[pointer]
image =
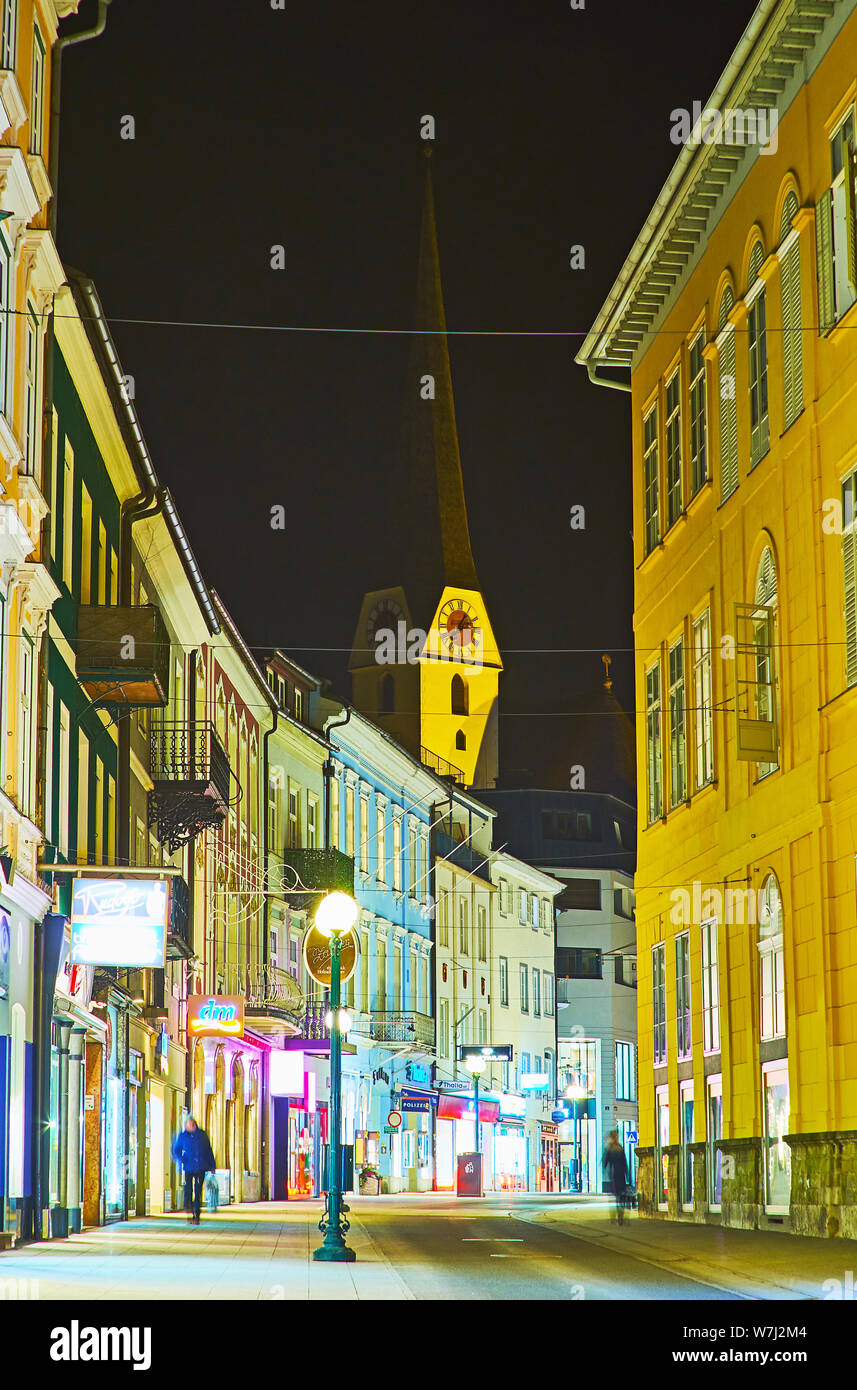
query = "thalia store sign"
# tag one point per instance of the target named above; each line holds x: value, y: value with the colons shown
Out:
x: 119, y: 921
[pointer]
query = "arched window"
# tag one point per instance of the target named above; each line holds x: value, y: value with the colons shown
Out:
x: 387, y: 697
x: 772, y: 984
x: 459, y: 695
x: 461, y: 740
x: 789, y: 256
x: 726, y: 395
x: 757, y: 340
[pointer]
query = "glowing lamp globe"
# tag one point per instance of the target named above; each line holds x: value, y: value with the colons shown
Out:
x: 476, y: 1065
x: 337, y: 912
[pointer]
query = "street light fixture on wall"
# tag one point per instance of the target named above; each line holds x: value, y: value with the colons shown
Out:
x: 335, y: 915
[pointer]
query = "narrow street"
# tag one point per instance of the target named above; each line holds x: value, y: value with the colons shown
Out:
x: 424, y: 1247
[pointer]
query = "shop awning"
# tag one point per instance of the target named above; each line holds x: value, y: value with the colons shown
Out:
x: 462, y: 1108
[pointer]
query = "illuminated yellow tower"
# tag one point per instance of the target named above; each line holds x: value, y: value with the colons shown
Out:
x: 424, y: 662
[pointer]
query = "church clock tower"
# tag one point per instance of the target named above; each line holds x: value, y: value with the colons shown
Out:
x: 424, y: 662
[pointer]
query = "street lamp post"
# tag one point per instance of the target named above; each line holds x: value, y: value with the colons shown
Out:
x: 574, y: 1093
x: 336, y: 914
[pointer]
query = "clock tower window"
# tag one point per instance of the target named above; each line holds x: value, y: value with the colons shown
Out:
x: 459, y: 695
x: 461, y: 740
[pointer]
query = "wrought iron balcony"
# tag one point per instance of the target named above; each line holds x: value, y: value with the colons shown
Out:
x: 266, y: 989
x: 319, y: 870
x: 123, y: 655
x: 441, y: 766
x: 313, y: 1024
x: 179, y: 942
x: 191, y: 776
x: 404, y: 1026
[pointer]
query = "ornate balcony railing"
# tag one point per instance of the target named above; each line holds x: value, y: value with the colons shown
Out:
x: 319, y: 870
x: 313, y: 1024
x: 265, y: 987
x: 404, y: 1026
x: 190, y: 772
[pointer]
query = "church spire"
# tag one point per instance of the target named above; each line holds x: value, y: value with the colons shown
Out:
x: 439, y: 551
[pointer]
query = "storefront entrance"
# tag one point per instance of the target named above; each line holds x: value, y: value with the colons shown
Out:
x: 114, y: 1148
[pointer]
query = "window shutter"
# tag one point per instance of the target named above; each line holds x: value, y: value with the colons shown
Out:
x: 849, y: 570
x: 757, y: 257
x: 728, y: 419
x: 786, y: 272
x: 850, y: 212
x: 824, y: 256
x: 792, y: 334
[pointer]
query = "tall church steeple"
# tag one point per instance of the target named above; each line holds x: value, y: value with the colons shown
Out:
x: 440, y: 702
x: 438, y: 549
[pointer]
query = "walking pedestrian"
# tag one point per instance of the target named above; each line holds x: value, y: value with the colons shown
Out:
x: 192, y: 1151
x: 615, y: 1168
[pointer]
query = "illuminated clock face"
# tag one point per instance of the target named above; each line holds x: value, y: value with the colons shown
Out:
x: 458, y: 623
x: 383, y: 618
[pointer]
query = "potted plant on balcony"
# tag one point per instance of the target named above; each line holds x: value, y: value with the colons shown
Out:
x: 370, y: 1181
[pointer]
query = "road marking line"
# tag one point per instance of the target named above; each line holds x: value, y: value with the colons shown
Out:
x: 493, y: 1240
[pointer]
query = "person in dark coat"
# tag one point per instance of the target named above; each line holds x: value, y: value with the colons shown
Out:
x: 192, y: 1151
x: 615, y: 1168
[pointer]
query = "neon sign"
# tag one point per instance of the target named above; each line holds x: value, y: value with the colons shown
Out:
x: 215, y: 1015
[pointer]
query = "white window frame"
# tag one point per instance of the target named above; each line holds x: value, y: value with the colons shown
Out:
x: 673, y: 447
x: 651, y: 481
x: 678, y: 723
x: 37, y: 97
x: 703, y: 700
x: 9, y: 52
x: 654, y: 743
x: 698, y: 405
x: 709, y: 943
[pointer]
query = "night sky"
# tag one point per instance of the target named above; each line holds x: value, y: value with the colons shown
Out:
x: 300, y: 127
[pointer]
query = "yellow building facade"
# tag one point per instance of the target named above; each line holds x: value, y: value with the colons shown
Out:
x: 735, y: 313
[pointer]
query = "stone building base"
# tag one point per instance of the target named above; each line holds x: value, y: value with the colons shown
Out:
x: 823, y: 1185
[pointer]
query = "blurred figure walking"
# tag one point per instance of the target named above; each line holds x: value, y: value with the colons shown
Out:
x: 615, y: 1168
x: 192, y: 1151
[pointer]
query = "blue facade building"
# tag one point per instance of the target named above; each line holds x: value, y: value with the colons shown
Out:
x: 381, y: 805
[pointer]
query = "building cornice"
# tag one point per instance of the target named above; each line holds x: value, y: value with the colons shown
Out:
x: 766, y: 70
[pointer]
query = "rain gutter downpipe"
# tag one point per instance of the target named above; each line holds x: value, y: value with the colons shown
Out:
x: 328, y: 773
x: 592, y: 373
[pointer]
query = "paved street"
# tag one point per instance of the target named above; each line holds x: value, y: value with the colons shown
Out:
x: 426, y: 1247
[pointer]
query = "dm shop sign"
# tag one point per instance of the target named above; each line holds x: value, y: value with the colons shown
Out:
x: 215, y: 1015
x: 119, y: 921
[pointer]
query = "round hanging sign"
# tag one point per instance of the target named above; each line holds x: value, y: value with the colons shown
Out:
x: 394, y: 1119
x: 317, y: 955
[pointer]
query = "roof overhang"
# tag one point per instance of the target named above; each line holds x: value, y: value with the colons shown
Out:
x: 765, y: 70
